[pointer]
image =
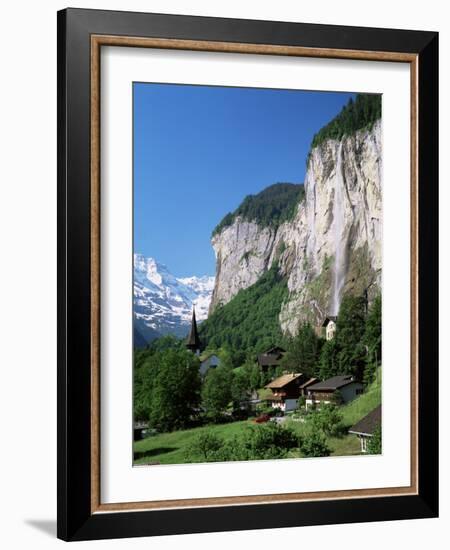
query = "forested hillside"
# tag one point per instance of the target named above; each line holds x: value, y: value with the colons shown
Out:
x: 356, y: 115
x: 249, y: 322
x: 271, y: 207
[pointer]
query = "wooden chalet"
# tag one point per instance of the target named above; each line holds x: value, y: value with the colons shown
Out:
x: 287, y: 389
x: 338, y: 388
x: 271, y: 358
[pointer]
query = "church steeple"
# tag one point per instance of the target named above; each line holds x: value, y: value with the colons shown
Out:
x: 193, y: 342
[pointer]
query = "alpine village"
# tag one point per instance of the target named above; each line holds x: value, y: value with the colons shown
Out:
x: 286, y: 360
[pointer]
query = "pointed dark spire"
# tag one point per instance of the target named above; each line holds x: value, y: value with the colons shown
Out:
x: 193, y: 342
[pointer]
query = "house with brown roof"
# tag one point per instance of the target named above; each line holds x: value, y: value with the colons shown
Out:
x: 366, y: 427
x: 336, y: 389
x: 287, y: 389
x: 271, y: 358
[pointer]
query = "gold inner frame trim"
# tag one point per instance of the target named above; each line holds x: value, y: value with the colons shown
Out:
x: 97, y: 41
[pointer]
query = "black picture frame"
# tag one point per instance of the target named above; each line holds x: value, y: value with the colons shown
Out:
x: 75, y: 518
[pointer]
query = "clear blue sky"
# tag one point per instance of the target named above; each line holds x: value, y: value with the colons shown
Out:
x: 199, y: 150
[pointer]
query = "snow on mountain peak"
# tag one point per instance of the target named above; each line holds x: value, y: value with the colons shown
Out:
x: 163, y: 302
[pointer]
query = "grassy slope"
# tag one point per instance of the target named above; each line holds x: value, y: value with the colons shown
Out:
x: 354, y: 411
x: 168, y: 448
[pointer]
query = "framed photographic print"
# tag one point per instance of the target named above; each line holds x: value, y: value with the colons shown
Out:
x: 247, y: 274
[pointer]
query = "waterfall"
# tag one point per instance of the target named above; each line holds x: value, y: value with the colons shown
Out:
x: 311, y: 205
x: 338, y: 229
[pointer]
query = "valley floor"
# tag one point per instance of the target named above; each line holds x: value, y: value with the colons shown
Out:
x: 169, y: 448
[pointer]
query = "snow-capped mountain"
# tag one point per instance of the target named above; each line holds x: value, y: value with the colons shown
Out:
x: 163, y: 303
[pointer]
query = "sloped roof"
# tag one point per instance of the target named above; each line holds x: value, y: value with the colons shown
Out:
x: 269, y: 360
x: 271, y: 357
x: 308, y: 383
x: 207, y: 355
x: 274, y: 349
x: 282, y: 381
x: 328, y: 319
x: 333, y: 383
x: 193, y: 341
x: 368, y: 424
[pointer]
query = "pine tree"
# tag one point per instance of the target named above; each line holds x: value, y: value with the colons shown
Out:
x: 174, y: 392
x: 303, y: 352
x: 216, y: 391
x: 372, y: 340
x: 350, y: 329
x: 328, y: 364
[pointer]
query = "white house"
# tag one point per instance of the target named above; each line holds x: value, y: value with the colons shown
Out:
x: 338, y: 388
x: 210, y: 361
x: 329, y: 324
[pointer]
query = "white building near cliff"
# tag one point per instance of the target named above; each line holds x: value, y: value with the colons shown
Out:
x: 329, y: 324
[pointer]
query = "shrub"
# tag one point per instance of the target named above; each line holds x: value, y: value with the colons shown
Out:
x: 337, y: 398
x: 328, y: 420
x: 258, y: 442
x: 271, y: 441
x: 301, y: 403
x: 313, y: 444
x: 374, y: 443
x: 265, y: 408
x: 202, y: 448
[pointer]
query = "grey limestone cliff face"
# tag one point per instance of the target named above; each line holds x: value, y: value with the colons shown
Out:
x: 243, y: 251
x: 333, y: 244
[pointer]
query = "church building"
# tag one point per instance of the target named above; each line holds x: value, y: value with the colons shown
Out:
x: 193, y: 342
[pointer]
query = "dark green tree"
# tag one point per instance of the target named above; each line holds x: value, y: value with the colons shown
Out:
x: 165, y: 343
x: 328, y: 362
x: 372, y: 340
x: 350, y: 329
x: 240, y: 388
x: 374, y: 443
x: 216, y: 392
x: 146, y: 368
x: 302, y: 352
x: 253, y: 372
x: 174, y: 391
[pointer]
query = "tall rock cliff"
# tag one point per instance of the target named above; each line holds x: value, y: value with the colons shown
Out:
x: 330, y: 246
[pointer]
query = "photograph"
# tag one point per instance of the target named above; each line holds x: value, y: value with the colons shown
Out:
x: 257, y: 273
x: 247, y: 272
